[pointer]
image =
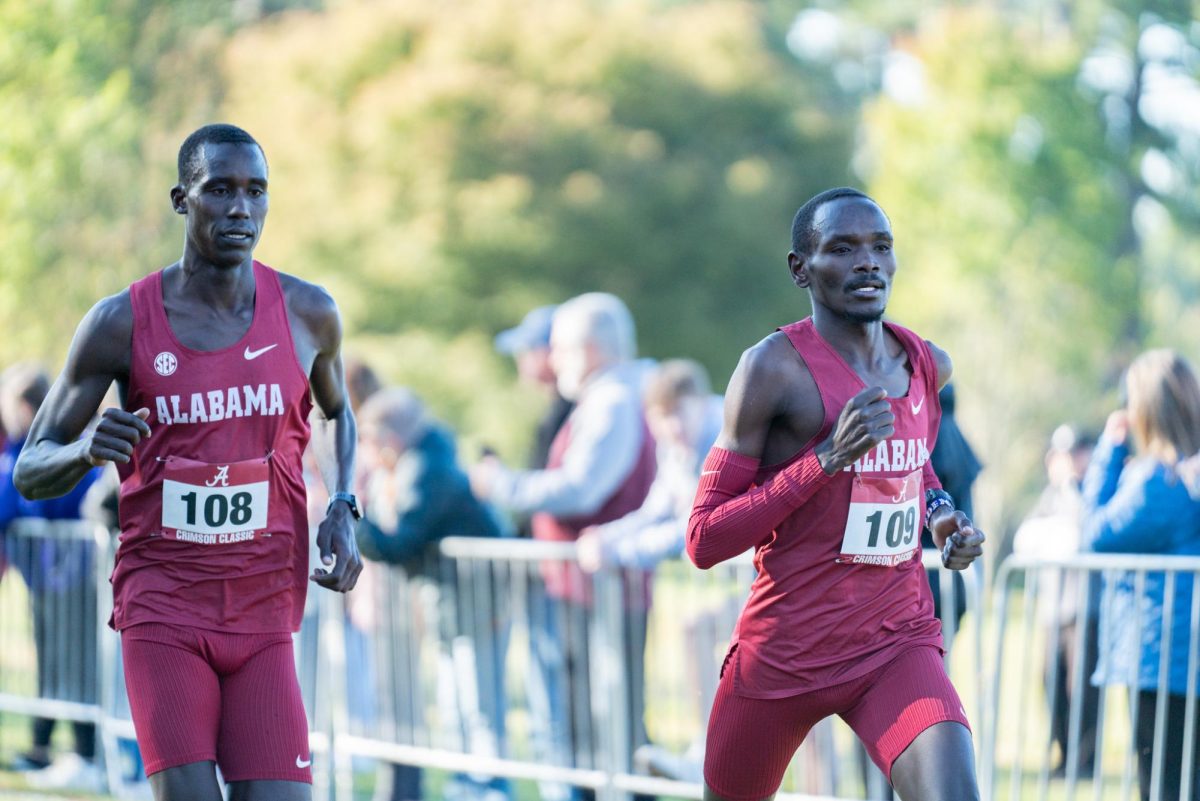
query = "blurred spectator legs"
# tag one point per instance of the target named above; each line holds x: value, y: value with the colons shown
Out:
x: 1064, y: 691
x: 1172, y: 753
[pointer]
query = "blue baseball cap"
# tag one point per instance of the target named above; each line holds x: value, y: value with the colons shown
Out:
x: 532, y: 332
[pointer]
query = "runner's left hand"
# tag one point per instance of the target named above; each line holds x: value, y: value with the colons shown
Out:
x: 960, y: 542
x: 335, y: 539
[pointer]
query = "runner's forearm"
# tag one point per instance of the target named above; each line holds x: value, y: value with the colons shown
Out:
x: 333, y: 442
x: 49, y: 469
x: 728, y: 517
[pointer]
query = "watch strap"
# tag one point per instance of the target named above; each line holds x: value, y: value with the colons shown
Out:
x: 350, y: 500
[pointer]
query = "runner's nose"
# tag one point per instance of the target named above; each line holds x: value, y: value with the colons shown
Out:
x: 866, y: 262
x: 240, y: 207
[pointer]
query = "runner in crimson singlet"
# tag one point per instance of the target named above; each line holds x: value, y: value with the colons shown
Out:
x: 823, y: 468
x: 222, y: 358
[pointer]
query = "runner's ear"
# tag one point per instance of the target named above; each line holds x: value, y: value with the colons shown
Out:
x: 797, y: 267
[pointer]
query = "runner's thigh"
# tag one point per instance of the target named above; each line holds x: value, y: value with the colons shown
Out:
x: 752, y: 740
x: 904, y: 698
x: 264, y: 730
x: 174, y: 695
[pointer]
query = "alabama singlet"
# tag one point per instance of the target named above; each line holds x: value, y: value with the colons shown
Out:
x: 214, y: 532
x: 840, y: 588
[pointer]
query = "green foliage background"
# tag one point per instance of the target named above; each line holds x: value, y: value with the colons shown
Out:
x: 442, y: 167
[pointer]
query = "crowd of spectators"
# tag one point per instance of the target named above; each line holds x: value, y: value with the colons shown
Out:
x: 613, y: 467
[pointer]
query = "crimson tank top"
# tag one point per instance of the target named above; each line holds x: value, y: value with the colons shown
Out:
x: 840, y: 589
x: 214, y: 532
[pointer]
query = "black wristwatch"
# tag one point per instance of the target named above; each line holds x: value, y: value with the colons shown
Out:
x: 350, y: 500
x: 936, y: 499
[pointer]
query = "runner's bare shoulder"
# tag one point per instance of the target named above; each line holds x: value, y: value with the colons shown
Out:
x: 313, y: 311
x: 103, y: 343
x: 945, y: 366
x: 771, y: 388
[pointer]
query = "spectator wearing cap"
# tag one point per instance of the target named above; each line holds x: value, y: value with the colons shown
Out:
x: 529, y: 346
x: 600, y: 467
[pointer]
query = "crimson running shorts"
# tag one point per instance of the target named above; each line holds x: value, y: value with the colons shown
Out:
x: 752, y: 740
x: 233, y: 699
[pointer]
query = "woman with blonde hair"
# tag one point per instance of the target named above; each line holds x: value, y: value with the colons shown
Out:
x: 1135, y: 502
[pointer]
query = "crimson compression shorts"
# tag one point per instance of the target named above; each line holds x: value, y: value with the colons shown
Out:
x: 200, y: 695
x: 752, y: 740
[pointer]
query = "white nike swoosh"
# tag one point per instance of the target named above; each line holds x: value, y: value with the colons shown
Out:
x: 710, y: 472
x: 916, y: 407
x: 254, y: 354
x: 301, y: 763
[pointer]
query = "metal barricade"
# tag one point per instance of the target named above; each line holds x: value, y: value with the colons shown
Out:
x: 50, y: 623
x: 501, y: 660
x: 60, y: 660
x: 319, y: 648
x: 1095, y: 667
x: 496, y: 660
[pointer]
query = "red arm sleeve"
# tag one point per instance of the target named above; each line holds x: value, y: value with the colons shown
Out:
x: 728, y: 517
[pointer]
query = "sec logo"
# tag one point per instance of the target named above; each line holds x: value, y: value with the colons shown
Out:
x: 165, y: 363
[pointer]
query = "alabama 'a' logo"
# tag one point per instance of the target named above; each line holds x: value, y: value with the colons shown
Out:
x: 903, y: 496
x: 165, y: 363
x: 221, y: 478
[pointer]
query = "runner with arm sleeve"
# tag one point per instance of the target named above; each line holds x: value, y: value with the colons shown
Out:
x: 822, y: 468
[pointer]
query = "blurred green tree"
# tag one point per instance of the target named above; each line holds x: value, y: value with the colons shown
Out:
x: 93, y: 94
x: 445, y: 167
x: 1017, y: 211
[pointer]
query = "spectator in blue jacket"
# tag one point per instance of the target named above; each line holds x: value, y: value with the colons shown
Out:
x: 60, y: 577
x: 1135, y: 502
x: 417, y: 494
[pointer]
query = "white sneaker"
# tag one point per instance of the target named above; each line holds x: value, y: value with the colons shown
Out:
x: 69, y: 772
x: 658, y: 761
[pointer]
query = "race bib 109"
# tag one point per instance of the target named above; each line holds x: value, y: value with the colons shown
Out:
x: 883, y: 524
x: 215, y: 504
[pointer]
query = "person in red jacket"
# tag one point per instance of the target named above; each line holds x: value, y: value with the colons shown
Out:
x: 599, y: 469
x: 822, y: 467
x: 218, y: 360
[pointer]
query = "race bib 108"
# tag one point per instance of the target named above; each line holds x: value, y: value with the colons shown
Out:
x: 883, y: 523
x: 215, y: 504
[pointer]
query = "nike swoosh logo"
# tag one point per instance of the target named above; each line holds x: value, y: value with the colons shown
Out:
x: 710, y: 472
x: 254, y: 354
x: 301, y: 763
x: 916, y: 407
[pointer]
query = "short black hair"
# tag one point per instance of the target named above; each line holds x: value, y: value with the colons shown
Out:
x: 219, y: 133
x: 803, y: 233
